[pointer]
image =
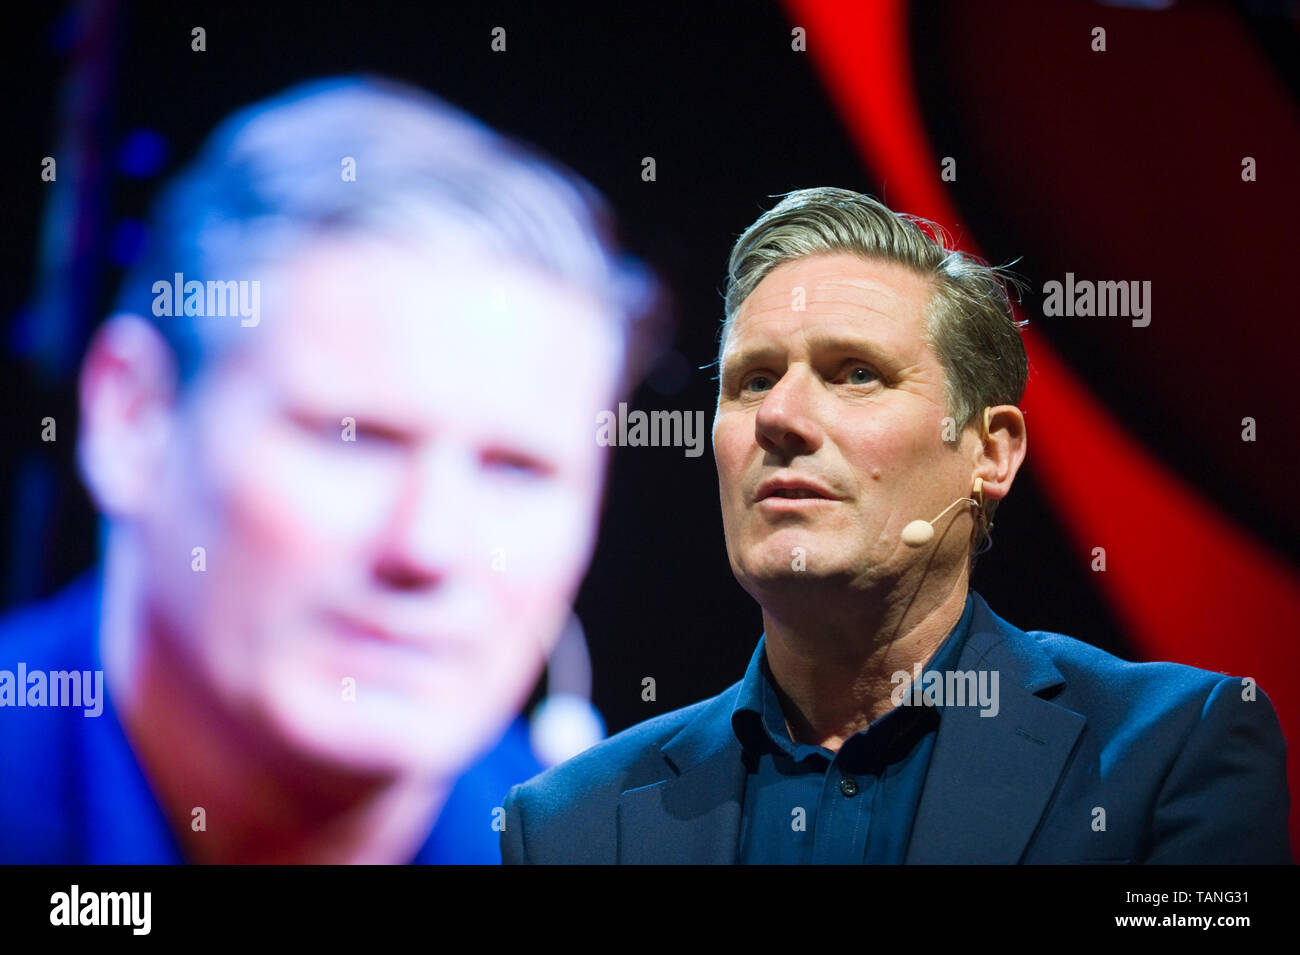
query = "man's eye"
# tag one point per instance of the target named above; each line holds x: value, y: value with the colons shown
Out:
x: 756, y: 383
x: 319, y: 426
x: 334, y: 429
x: 515, y: 464
x: 380, y: 434
x: 861, y: 375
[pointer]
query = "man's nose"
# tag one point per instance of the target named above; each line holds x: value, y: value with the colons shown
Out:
x: 426, y: 531
x: 787, y: 423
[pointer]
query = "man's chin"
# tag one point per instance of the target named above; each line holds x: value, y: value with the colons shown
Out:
x: 803, y: 561
x: 764, y: 583
x: 800, y: 575
x: 383, y: 738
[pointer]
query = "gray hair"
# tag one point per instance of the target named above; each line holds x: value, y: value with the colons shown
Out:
x: 269, y: 178
x: 969, y: 320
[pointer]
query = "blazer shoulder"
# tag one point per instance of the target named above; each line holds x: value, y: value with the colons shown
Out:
x: 55, y: 632
x: 1113, y: 692
x: 1205, y: 749
x: 42, y: 749
x: 1083, y: 664
x: 581, y: 794
x: 627, y: 759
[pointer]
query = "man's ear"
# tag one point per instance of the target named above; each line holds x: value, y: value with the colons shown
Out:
x: 1002, y: 451
x: 127, y: 392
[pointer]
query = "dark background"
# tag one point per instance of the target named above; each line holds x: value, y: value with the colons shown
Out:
x: 1123, y: 167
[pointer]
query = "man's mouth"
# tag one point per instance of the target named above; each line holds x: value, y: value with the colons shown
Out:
x: 792, y: 489
x: 424, y: 642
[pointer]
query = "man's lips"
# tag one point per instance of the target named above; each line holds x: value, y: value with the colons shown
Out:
x: 423, y: 640
x: 788, y: 490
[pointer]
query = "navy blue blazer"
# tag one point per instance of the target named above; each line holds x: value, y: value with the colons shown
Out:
x: 1185, y: 769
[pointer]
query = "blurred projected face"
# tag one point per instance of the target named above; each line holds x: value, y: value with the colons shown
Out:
x: 397, y: 485
x: 828, y: 432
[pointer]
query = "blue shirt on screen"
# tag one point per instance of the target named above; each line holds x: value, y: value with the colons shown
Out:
x: 73, y: 792
x: 806, y: 804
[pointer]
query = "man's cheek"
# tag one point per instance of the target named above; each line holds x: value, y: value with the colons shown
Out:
x: 528, y: 614
x: 304, y: 499
x: 518, y: 602
x: 538, y: 534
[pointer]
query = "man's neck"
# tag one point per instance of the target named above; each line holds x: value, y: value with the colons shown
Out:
x: 834, y: 668
x: 262, y: 802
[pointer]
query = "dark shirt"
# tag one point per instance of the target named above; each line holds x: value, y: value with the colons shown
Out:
x: 806, y: 804
x: 73, y: 792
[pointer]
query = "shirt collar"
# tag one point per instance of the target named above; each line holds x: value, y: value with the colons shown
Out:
x: 757, y: 718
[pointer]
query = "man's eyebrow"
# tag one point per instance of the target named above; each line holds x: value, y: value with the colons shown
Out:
x: 748, y: 355
x: 839, y: 341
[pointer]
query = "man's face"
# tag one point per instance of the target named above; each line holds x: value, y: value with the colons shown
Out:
x: 425, y: 567
x: 845, y: 397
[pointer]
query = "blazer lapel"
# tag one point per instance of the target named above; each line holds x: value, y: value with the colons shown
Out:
x: 990, y: 777
x: 692, y: 816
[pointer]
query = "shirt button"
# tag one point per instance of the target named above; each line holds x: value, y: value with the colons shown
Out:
x: 849, y: 786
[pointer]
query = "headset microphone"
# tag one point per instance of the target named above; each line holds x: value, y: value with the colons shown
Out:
x: 919, y: 533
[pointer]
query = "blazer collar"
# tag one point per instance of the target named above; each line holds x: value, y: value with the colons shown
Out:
x: 988, y: 782
x: 693, y: 815
x: 990, y: 777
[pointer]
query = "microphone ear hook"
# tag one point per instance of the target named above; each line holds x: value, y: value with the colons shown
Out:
x: 978, y: 495
x: 961, y: 500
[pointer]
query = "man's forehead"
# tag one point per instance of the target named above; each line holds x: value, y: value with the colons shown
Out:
x: 363, y: 296
x: 377, y: 332
x: 833, y: 300
x: 841, y: 275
